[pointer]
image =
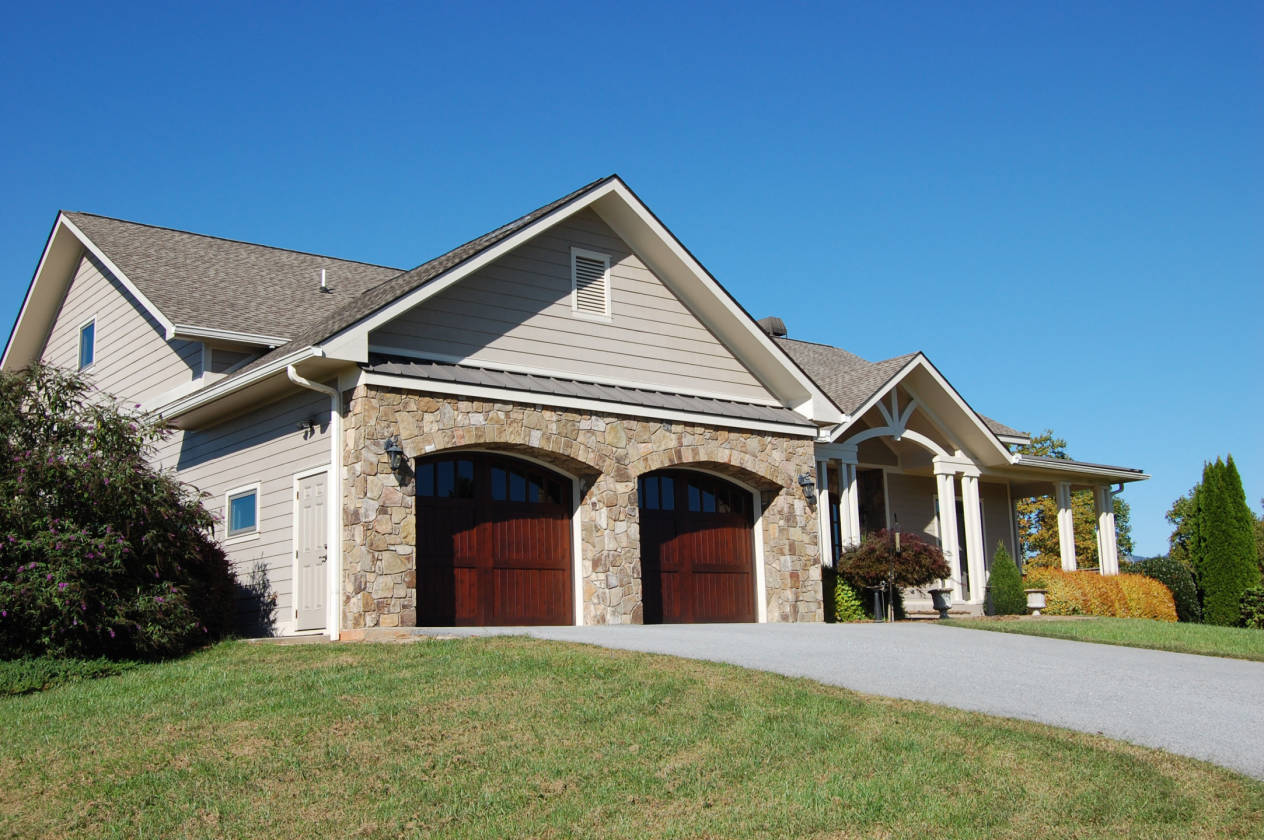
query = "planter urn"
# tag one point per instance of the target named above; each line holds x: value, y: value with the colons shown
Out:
x: 1036, y: 600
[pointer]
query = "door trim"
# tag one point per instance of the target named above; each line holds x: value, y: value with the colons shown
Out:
x: 294, y: 569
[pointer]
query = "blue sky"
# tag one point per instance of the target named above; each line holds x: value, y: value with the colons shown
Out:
x: 1061, y: 204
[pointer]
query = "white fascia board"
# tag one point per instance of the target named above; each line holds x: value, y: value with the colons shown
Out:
x: 167, y: 326
x: 732, y: 324
x: 410, y: 383
x: 188, y: 331
x: 1061, y: 466
x: 352, y: 343
x: 1017, y: 440
x: 225, y: 387
x: 21, y: 325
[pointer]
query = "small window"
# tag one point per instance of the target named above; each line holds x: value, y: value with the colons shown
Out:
x: 590, y: 283
x: 243, y: 512
x: 87, y: 344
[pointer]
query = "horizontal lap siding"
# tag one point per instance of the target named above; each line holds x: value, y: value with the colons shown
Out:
x: 132, y: 359
x: 517, y: 311
x: 267, y: 447
x: 996, y: 521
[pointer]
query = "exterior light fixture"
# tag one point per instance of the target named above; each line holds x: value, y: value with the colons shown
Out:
x: 806, y: 481
x: 393, y: 451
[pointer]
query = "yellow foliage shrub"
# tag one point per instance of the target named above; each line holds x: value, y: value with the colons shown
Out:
x: 1088, y: 593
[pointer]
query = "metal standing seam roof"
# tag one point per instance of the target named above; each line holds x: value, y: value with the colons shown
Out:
x: 850, y: 380
x: 636, y: 397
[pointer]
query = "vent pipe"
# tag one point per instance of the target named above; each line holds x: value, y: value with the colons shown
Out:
x: 323, y: 287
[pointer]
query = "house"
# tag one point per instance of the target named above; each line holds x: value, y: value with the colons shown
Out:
x: 566, y: 420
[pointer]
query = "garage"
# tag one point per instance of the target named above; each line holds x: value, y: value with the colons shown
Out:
x: 697, y: 548
x: 493, y: 541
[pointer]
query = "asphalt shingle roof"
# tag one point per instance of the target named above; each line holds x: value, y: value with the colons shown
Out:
x: 205, y: 281
x: 850, y: 380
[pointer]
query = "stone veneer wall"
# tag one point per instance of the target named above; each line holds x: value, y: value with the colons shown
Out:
x: 607, y: 453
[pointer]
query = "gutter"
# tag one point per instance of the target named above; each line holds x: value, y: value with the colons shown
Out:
x: 235, y: 383
x: 1120, y: 474
x: 333, y: 546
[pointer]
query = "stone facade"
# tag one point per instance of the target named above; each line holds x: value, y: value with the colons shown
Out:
x: 606, y: 453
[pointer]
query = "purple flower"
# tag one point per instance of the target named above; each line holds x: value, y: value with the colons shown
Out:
x: 4, y: 613
x: 159, y: 600
x: 62, y: 585
x: 111, y: 633
x: 50, y: 577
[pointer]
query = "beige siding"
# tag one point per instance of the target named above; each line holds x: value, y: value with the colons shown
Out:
x: 996, y: 519
x: 912, y: 498
x: 517, y: 311
x: 264, y: 446
x: 132, y: 359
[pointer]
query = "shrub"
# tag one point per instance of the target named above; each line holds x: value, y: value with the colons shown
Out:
x: 1177, y: 577
x: 1253, y: 608
x: 842, y: 604
x: 1088, y: 593
x: 1006, y: 585
x: 870, y: 563
x: 25, y: 676
x: 100, y: 554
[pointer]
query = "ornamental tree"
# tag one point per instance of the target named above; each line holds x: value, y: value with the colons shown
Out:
x: 100, y: 553
x: 871, y: 563
x: 1222, y: 549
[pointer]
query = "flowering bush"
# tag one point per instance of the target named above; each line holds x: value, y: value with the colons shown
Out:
x: 869, y: 564
x: 100, y: 554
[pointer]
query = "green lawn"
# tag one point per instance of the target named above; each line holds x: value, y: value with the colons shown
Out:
x: 510, y: 737
x: 1206, y: 639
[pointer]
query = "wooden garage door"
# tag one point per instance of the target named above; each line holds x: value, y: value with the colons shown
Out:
x: 493, y: 542
x: 697, y: 548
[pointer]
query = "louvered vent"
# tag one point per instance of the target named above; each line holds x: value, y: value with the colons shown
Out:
x: 590, y: 273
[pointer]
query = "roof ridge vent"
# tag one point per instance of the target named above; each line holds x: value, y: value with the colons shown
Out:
x: 773, y: 325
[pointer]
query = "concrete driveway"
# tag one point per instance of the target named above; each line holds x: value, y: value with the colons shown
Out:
x: 1199, y: 706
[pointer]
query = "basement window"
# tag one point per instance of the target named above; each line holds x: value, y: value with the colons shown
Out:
x: 590, y: 284
x: 87, y: 344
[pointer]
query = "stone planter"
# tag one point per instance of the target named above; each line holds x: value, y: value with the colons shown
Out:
x: 1036, y: 600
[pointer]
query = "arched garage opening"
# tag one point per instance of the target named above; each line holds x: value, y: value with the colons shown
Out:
x: 493, y: 541
x: 697, y: 548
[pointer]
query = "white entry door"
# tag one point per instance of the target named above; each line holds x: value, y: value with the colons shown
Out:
x: 311, y: 553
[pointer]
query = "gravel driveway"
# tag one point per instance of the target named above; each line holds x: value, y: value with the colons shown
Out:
x: 1200, y: 706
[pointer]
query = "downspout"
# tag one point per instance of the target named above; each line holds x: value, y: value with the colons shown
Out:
x: 334, y: 537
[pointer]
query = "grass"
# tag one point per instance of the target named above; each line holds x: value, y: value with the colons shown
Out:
x: 510, y: 737
x: 25, y: 676
x: 1205, y: 639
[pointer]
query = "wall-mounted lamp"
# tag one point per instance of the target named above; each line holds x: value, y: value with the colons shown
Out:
x: 806, y: 481
x: 395, y: 453
x: 307, y: 426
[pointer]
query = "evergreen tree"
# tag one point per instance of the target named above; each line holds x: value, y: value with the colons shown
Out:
x: 1008, y: 597
x: 1223, y: 547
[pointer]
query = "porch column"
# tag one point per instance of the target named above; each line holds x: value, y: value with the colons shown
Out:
x: 823, y: 513
x: 948, y: 524
x: 1066, y: 525
x: 973, y: 511
x: 849, y: 499
x: 1107, y: 538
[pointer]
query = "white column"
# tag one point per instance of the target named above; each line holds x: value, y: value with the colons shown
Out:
x: 1107, y: 537
x: 849, y: 500
x: 973, y: 512
x: 823, y: 512
x: 1066, y: 525
x: 948, y: 525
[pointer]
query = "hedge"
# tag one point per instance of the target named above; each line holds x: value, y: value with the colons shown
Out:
x: 1089, y: 593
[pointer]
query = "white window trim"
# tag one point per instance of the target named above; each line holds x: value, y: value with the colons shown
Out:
x: 91, y: 322
x: 575, y: 310
x: 243, y: 536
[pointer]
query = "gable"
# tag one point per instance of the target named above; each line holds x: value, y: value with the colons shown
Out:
x: 133, y: 361
x: 516, y: 313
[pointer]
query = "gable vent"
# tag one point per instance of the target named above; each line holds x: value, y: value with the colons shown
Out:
x: 590, y: 283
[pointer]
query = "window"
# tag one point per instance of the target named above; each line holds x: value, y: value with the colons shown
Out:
x: 590, y: 283
x: 242, y: 512
x: 87, y: 343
